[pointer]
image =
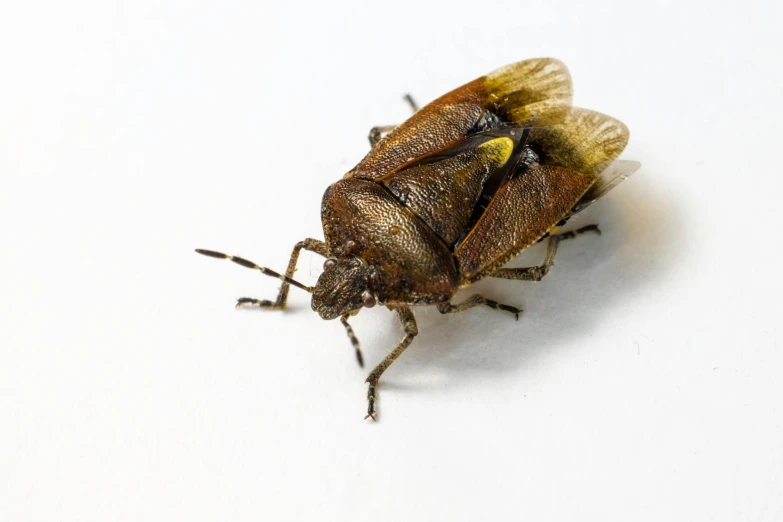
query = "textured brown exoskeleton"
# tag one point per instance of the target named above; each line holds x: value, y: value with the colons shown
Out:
x: 454, y: 193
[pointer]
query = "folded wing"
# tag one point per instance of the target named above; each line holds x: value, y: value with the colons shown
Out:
x: 521, y: 212
x: 536, y: 90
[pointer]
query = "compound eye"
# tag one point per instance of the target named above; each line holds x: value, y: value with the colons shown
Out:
x: 368, y: 298
x: 328, y: 263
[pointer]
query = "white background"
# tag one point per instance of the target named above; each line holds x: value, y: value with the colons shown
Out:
x: 643, y: 381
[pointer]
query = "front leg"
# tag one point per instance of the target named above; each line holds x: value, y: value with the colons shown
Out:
x: 411, y: 330
x: 313, y: 245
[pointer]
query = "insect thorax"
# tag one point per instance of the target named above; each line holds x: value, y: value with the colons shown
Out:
x: 529, y: 156
x: 488, y: 121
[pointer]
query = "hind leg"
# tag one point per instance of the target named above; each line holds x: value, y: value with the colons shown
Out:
x: 477, y: 300
x: 537, y: 273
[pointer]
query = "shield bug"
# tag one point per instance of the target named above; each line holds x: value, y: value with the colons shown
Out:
x: 454, y: 193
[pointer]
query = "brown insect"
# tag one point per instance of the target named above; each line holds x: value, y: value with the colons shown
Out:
x: 454, y: 193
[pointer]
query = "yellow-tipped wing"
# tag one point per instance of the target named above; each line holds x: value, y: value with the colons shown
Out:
x: 533, y: 91
x: 584, y: 140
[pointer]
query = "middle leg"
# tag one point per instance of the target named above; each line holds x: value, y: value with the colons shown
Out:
x: 376, y: 133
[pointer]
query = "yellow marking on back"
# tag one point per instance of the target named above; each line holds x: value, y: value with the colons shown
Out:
x: 498, y: 151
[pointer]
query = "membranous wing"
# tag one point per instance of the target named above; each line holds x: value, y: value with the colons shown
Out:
x: 612, y: 176
x: 582, y: 140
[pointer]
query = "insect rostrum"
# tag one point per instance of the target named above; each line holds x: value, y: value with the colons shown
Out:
x: 454, y: 193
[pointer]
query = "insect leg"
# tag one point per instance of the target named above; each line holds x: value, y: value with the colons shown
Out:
x: 477, y: 300
x: 537, y: 273
x: 411, y: 330
x: 415, y: 106
x: 376, y: 133
x: 354, y: 340
x: 313, y: 245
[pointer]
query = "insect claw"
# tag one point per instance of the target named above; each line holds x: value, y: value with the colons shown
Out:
x: 589, y: 228
x: 370, y: 400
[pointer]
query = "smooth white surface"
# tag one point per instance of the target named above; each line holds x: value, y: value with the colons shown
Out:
x: 643, y: 381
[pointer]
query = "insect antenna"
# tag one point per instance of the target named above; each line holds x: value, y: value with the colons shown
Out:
x: 250, y: 264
